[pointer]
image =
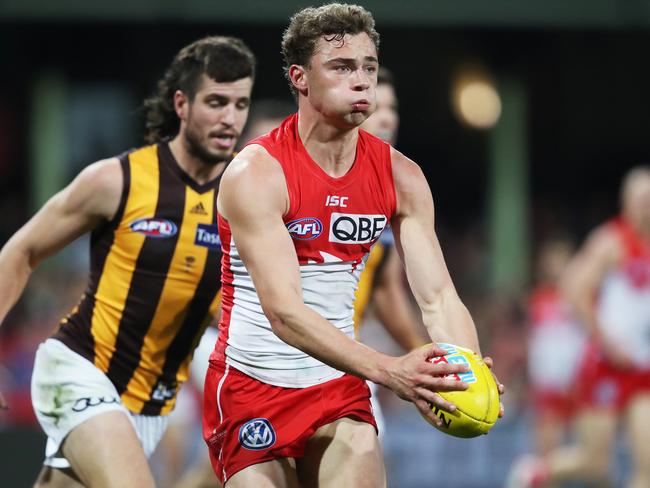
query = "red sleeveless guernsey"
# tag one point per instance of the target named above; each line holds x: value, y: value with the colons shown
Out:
x: 333, y: 222
x: 624, y: 297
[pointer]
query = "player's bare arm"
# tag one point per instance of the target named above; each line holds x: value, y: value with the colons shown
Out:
x: 445, y: 316
x: 93, y: 196
x: 443, y: 313
x: 253, y: 198
x: 582, y: 279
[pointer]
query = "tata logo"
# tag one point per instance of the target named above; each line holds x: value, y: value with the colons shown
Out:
x: 356, y: 228
x: 208, y: 236
x: 305, y: 229
x: 257, y: 434
x: 159, y: 228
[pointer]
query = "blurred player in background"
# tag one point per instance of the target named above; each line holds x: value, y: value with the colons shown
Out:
x: 266, y: 115
x: 555, y: 348
x: 381, y: 285
x: 105, y: 381
x: 280, y: 409
x: 608, y: 284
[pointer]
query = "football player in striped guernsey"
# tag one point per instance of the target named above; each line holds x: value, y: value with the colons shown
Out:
x: 106, y: 379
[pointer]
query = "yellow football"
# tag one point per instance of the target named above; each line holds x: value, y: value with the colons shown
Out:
x: 478, y: 406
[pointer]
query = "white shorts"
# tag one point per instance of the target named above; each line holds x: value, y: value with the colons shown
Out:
x: 189, y: 404
x: 67, y: 390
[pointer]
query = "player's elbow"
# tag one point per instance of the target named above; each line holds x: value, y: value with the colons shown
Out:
x: 17, y: 254
x: 435, y: 301
x: 282, y: 318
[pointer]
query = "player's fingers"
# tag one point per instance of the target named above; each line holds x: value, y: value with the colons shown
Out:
x: 431, y: 351
x: 488, y: 361
x: 425, y: 409
x: 435, y: 400
x: 439, y: 383
x: 442, y: 369
x: 502, y: 410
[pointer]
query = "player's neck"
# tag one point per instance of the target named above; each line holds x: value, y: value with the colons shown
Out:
x: 332, y: 148
x: 196, y: 168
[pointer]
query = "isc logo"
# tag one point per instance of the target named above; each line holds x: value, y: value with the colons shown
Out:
x: 336, y: 201
x: 305, y: 229
x: 356, y: 228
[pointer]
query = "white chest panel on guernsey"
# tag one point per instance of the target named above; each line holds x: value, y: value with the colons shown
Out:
x: 252, y: 347
x: 624, y: 314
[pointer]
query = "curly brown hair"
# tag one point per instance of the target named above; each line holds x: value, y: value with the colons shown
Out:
x: 333, y: 20
x: 224, y: 59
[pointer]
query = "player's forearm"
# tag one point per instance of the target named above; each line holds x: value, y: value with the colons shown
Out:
x: 304, y: 329
x: 15, y: 269
x: 448, y: 320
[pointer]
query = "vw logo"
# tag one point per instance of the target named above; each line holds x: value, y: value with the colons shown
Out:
x: 257, y: 434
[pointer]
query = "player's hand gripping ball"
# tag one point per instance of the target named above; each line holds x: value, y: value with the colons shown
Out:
x: 478, y: 406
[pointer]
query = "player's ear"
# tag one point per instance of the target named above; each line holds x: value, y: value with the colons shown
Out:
x: 298, y: 77
x: 181, y: 104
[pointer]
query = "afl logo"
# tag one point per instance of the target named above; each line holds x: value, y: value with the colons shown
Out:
x: 159, y: 228
x: 257, y: 434
x: 305, y: 229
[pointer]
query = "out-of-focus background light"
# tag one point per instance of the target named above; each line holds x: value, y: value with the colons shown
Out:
x: 476, y: 100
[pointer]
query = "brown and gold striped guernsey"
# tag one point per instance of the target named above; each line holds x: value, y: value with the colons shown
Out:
x: 154, y: 282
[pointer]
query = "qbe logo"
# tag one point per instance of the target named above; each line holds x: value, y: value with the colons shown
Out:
x: 356, y: 228
x: 305, y: 229
x: 257, y: 434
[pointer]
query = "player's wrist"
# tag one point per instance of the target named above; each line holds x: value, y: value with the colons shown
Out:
x: 379, y: 372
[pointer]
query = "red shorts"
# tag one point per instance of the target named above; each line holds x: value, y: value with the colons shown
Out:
x: 554, y: 403
x: 247, y: 422
x: 600, y: 384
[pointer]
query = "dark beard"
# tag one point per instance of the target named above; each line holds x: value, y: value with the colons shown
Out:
x: 195, y: 148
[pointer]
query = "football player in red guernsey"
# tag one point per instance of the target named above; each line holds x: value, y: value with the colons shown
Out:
x: 608, y: 284
x: 286, y: 403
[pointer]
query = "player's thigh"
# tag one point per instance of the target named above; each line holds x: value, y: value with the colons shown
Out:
x: 595, y: 433
x: 345, y: 452
x: 638, y: 433
x: 50, y: 477
x: 104, y: 451
x: 279, y: 473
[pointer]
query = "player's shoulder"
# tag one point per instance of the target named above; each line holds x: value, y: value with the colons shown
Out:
x: 254, y: 161
x: 105, y: 174
x: 402, y: 163
x: 100, y: 184
x: 407, y: 174
x: 253, y: 175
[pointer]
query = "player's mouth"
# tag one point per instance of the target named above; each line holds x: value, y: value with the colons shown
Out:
x: 360, y: 105
x: 224, y: 140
